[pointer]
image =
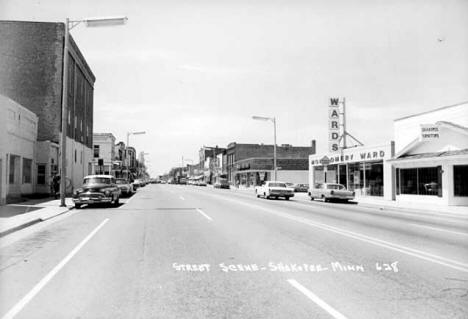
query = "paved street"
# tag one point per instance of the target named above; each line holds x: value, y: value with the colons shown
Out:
x: 175, y: 251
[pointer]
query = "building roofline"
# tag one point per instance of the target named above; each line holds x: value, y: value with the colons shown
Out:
x: 426, y: 112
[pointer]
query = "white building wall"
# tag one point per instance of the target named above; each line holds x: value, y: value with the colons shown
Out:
x: 18, y: 135
x: 297, y: 177
x: 408, y: 129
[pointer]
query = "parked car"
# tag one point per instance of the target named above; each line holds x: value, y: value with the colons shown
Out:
x: 222, y: 183
x: 137, y: 184
x: 330, y: 191
x: 126, y: 188
x: 301, y: 188
x: 97, y: 189
x: 274, y: 189
x: 201, y: 183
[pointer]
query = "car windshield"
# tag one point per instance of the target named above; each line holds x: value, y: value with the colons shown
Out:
x: 97, y: 180
x: 335, y: 186
x: 277, y: 185
x: 121, y: 181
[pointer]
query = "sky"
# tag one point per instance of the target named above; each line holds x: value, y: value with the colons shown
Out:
x: 193, y: 73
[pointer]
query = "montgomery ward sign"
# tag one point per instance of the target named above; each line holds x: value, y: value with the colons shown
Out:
x: 334, y: 125
x: 429, y: 132
x: 353, y: 157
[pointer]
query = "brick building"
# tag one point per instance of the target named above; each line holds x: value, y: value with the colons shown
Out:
x: 251, y: 164
x: 31, y: 68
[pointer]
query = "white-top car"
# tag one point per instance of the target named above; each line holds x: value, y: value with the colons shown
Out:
x: 274, y: 189
x: 329, y: 191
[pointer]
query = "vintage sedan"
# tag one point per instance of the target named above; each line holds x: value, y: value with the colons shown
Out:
x: 301, y: 188
x: 126, y: 188
x: 330, y: 191
x: 97, y: 189
x: 274, y: 189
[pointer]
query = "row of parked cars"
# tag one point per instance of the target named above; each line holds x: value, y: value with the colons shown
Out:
x: 323, y: 191
x: 105, y: 189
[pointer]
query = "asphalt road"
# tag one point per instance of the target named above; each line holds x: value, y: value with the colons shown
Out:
x: 192, y: 252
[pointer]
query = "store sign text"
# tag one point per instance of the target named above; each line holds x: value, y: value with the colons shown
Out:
x: 429, y: 132
x: 333, y: 125
x: 363, y: 156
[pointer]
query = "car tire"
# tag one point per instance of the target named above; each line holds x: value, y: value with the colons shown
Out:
x: 311, y: 198
x: 286, y: 198
x: 116, y: 201
x: 77, y: 206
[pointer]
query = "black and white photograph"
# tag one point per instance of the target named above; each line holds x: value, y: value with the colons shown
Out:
x: 234, y: 159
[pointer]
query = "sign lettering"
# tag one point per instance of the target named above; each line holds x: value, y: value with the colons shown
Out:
x: 333, y: 125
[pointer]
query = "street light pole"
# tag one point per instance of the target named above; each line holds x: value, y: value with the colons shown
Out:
x: 63, y: 136
x: 272, y: 119
x: 70, y: 24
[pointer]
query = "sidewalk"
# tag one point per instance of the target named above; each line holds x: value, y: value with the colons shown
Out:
x: 14, y: 217
x: 372, y: 202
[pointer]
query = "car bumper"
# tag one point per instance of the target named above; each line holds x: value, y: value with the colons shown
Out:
x: 282, y: 194
x: 344, y: 197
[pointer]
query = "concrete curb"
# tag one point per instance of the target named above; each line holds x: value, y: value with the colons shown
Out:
x: 31, y: 222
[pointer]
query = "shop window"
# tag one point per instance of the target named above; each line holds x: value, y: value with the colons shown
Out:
x: 11, y: 173
x: 342, y: 177
x: 41, y: 174
x: 420, y: 181
x: 27, y: 166
x: 460, y: 180
x: 374, y: 178
x: 96, y: 151
x: 356, y: 178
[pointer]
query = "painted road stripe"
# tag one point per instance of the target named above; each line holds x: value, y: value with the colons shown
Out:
x: 322, y: 304
x: 182, y: 197
x: 204, y: 215
x: 371, y: 240
x: 37, y: 288
x: 440, y: 229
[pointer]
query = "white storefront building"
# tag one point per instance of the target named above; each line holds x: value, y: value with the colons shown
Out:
x: 18, y: 134
x: 431, y: 160
x: 427, y: 162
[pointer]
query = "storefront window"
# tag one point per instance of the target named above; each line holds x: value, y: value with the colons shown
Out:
x: 331, y: 175
x: 421, y: 181
x: 342, y: 177
x: 374, y: 178
x: 356, y: 178
x: 460, y: 180
x: 319, y: 175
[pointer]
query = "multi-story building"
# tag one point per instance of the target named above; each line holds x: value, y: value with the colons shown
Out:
x: 252, y: 164
x: 19, y: 171
x: 103, y: 153
x: 31, y: 67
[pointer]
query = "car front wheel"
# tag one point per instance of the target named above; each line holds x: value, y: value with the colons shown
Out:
x: 77, y: 206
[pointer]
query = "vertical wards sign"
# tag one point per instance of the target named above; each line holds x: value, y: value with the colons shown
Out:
x: 333, y: 125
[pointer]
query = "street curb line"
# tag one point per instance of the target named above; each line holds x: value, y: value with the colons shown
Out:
x: 30, y: 223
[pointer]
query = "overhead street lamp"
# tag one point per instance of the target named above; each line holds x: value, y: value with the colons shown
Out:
x: 70, y: 24
x: 272, y: 119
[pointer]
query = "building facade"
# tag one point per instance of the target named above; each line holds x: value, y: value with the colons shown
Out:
x: 251, y: 164
x: 427, y: 163
x: 103, y: 153
x: 431, y: 161
x: 31, y: 74
x: 18, y: 135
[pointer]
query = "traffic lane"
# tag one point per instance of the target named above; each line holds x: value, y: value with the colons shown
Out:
x: 162, y: 197
x: 456, y: 223
x: 29, y: 258
x: 449, y: 243
x: 377, y: 292
x: 127, y: 271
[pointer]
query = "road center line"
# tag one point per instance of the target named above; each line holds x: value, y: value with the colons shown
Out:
x: 361, y: 237
x: 37, y: 288
x: 204, y: 215
x: 322, y: 304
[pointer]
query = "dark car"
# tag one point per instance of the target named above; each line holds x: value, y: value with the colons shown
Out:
x: 97, y: 189
x: 301, y: 188
x: 222, y: 183
x: 126, y: 188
